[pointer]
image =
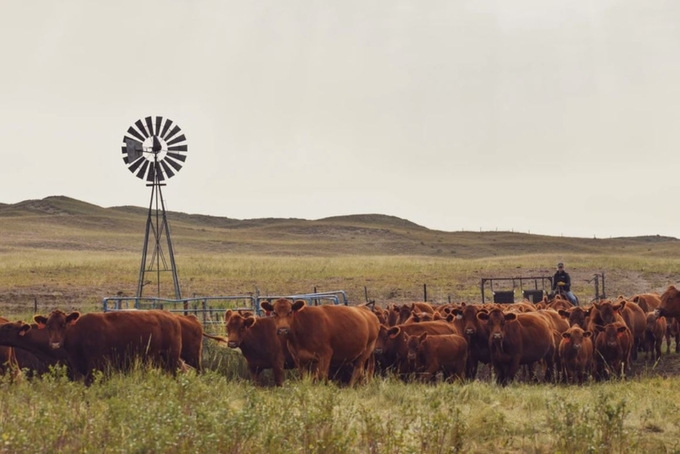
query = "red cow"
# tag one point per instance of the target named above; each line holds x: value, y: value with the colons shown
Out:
x: 648, y: 302
x: 670, y: 305
x: 319, y: 337
x: 672, y: 332
x: 517, y: 339
x: 96, y: 341
x: 390, y: 349
x: 654, y: 334
x: 631, y: 314
x: 476, y: 334
x: 613, y: 347
x: 192, y: 340
x: 434, y: 354
x: 30, y: 339
x: 576, y: 354
x: 259, y: 343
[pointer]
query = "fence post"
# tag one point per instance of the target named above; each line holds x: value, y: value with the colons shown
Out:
x: 425, y: 292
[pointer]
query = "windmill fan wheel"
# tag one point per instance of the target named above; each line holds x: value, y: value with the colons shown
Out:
x: 154, y: 149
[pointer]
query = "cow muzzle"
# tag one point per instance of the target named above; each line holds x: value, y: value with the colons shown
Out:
x: 378, y: 351
x: 497, y: 336
x: 283, y: 331
x: 55, y: 345
x: 469, y: 331
x: 232, y: 344
x: 411, y: 357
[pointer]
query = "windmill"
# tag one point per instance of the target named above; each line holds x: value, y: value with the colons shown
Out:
x: 155, y: 150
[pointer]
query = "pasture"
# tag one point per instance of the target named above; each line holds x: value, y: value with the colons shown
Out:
x: 70, y: 255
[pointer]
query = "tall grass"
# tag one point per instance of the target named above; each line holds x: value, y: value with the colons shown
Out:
x: 149, y: 411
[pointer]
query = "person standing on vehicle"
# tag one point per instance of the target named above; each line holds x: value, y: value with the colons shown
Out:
x: 563, y: 281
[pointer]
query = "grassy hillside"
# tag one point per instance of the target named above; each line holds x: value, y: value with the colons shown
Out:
x: 62, y: 251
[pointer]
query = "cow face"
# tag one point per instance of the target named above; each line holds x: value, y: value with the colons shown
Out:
x: 608, y: 311
x: 652, y: 318
x: 283, y: 311
x: 467, y: 314
x: 56, y: 324
x: 413, y: 346
x: 612, y: 333
x: 670, y: 303
x: 575, y: 336
x: 576, y: 316
x: 496, y: 320
x: 236, y: 327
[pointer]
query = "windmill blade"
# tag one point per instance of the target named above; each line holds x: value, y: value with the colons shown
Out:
x: 142, y: 171
x: 167, y: 169
x: 135, y: 165
x: 179, y: 148
x: 142, y: 129
x: 176, y: 165
x: 174, y: 131
x: 133, y: 132
x: 177, y: 140
x: 149, y: 126
x: 179, y: 157
x: 166, y: 126
x: 158, y: 125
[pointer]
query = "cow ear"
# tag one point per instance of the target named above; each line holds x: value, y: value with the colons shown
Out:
x: 438, y: 316
x: 599, y: 328
x: 510, y: 316
x: 482, y: 315
x: 566, y: 335
x: 393, y: 332
x: 587, y: 334
x: 267, y: 306
x: 24, y: 329
x: 587, y: 312
x: 563, y: 313
x: 227, y: 314
x: 40, y: 320
x: 72, y: 318
x: 299, y: 304
x: 416, y: 317
x: 422, y: 337
x: 249, y: 322
x: 463, y: 304
x: 621, y: 329
x: 597, y: 305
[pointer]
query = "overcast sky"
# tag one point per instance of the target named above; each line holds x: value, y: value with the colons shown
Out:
x: 549, y: 116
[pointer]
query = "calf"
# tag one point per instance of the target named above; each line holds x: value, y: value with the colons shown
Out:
x: 33, y: 341
x: 631, y: 314
x: 434, y: 354
x: 260, y: 345
x: 97, y: 341
x: 613, y: 347
x: 672, y: 332
x: 8, y: 360
x: 576, y: 354
x: 476, y: 334
x: 319, y: 337
x: 576, y: 316
x: 654, y: 334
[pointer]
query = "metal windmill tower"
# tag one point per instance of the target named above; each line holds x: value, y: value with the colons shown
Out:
x: 155, y: 150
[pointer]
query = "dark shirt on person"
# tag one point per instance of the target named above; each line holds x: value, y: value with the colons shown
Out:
x: 562, y: 276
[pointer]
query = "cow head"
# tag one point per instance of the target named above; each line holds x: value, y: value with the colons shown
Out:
x: 413, y: 345
x: 467, y: 317
x: 496, y: 320
x: 608, y: 311
x: 575, y: 336
x: 612, y: 332
x: 405, y: 312
x: 283, y: 311
x: 13, y: 330
x: 56, y: 324
x: 576, y: 316
x: 670, y: 303
x: 236, y: 326
x: 652, y: 318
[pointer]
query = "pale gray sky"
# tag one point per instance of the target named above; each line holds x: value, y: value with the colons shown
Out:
x: 549, y: 116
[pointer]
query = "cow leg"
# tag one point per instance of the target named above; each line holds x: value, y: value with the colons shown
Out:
x: 254, y: 373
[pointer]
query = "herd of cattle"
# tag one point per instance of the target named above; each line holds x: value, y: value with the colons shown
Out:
x: 352, y: 343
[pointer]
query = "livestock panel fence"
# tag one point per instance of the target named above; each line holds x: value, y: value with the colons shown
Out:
x: 210, y: 309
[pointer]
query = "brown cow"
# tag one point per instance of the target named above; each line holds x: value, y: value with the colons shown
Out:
x: 672, y: 332
x: 192, y: 340
x: 434, y: 354
x: 648, y: 302
x: 319, y: 337
x: 613, y: 347
x: 96, y: 341
x: 390, y: 348
x: 30, y: 339
x: 654, y: 334
x: 631, y: 314
x: 576, y: 354
x: 670, y: 303
x: 517, y: 339
x: 259, y: 344
x: 476, y: 334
